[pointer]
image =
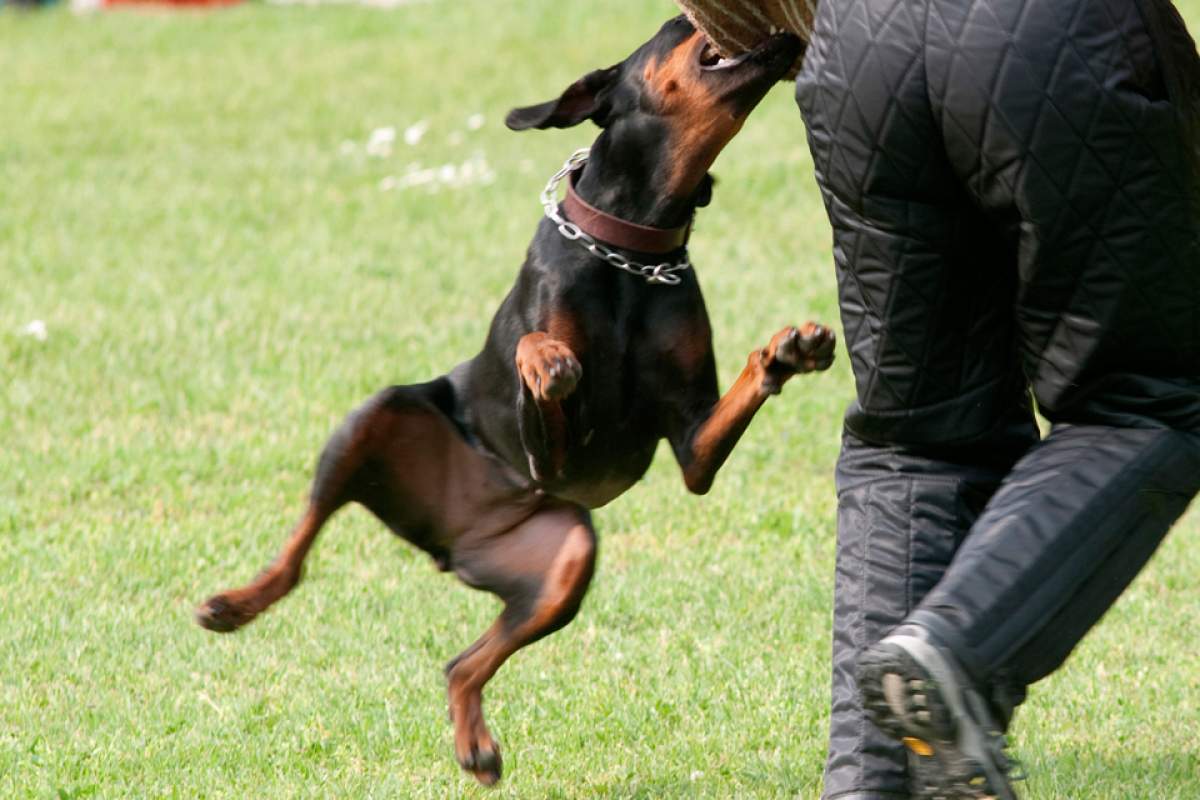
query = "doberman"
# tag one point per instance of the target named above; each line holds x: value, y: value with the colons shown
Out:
x: 492, y: 468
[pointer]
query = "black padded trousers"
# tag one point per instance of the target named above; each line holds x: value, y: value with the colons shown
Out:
x: 1015, y: 200
x: 902, y: 515
x: 1014, y: 565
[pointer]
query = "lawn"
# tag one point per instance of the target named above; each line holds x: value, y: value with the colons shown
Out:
x: 188, y: 204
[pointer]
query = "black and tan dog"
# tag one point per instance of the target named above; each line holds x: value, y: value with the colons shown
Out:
x: 492, y: 468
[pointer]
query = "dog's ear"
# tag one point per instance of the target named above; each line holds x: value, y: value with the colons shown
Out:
x: 704, y: 190
x: 583, y: 99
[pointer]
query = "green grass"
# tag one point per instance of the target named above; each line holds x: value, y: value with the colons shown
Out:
x: 221, y: 283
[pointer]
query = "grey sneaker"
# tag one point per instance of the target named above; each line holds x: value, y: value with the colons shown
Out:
x: 916, y: 691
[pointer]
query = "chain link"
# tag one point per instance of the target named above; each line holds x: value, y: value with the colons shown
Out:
x: 664, y: 273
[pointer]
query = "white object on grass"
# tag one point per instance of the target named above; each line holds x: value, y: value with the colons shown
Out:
x: 381, y: 141
x: 36, y: 329
x: 474, y: 171
x: 414, y: 132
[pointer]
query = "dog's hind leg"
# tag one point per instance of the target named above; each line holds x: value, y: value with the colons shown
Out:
x: 232, y: 609
x: 340, y: 460
x: 541, y: 570
x: 396, y: 425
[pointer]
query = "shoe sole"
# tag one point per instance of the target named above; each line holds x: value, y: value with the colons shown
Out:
x: 914, y: 695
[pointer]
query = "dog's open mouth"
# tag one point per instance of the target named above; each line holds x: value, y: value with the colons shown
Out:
x: 711, y: 58
x: 778, y: 45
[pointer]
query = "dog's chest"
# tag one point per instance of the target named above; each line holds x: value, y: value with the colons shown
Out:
x: 632, y: 356
x: 638, y: 356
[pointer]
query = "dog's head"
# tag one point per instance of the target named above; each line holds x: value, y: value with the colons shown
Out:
x: 669, y: 108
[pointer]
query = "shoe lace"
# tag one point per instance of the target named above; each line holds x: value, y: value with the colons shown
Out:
x: 1011, y: 765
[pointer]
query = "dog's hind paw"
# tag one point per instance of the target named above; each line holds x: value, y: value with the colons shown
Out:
x: 479, y: 755
x: 484, y: 763
x: 221, y: 614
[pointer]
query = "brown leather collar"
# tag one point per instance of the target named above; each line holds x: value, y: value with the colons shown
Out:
x: 618, y: 232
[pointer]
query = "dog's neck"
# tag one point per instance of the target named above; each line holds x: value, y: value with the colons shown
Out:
x: 627, y: 182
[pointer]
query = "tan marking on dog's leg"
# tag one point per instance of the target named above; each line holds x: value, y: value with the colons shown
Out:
x: 791, y: 351
x: 230, y: 610
x: 544, y: 566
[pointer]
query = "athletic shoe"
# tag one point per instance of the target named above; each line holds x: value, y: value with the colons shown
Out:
x: 916, y: 692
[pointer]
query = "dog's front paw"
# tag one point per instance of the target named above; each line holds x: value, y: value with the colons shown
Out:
x: 808, y: 348
x: 547, y: 366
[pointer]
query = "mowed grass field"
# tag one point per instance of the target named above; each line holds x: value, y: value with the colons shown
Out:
x: 187, y: 204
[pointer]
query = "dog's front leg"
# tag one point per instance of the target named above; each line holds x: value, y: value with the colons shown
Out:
x: 549, y: 373
x: 705, y: 441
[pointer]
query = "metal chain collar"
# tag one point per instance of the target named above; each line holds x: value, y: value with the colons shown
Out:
x: 663, y: 273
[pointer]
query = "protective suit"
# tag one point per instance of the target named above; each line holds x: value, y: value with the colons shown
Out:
x: 1014, y: 190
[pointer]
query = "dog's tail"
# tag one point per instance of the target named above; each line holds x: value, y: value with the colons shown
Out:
x: 339, y: 462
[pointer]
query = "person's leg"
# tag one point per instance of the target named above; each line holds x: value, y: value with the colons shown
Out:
x: 902, y: 514
x: 1071, y: 527
x: 932, y: 351
x: 1058, y: 117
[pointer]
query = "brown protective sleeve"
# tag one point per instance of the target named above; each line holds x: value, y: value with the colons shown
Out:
x: 736, y: 26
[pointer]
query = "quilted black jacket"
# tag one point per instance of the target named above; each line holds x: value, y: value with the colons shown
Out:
x: 1014, y: 187
x: 1017, y: 205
